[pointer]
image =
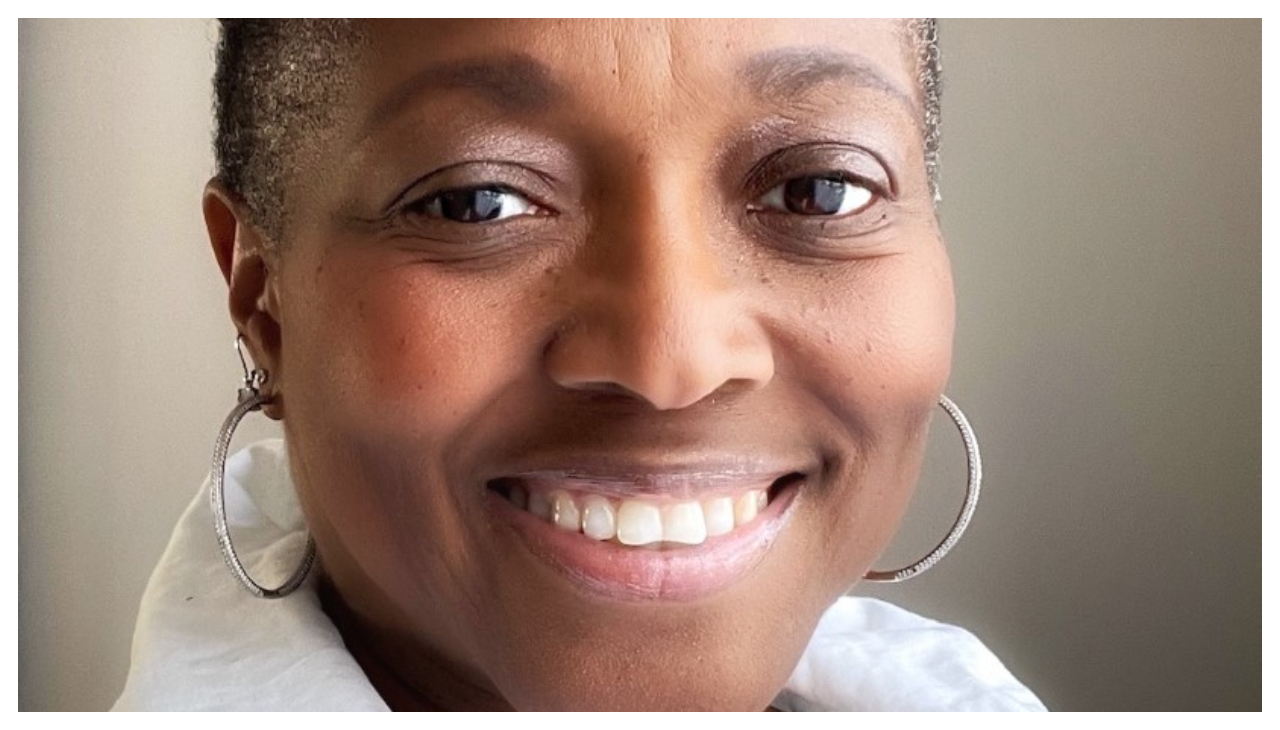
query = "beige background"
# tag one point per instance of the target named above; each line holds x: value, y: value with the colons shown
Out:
x: 1102, y: 186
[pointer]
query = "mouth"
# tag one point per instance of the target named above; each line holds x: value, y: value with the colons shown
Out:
x: 678, y: 535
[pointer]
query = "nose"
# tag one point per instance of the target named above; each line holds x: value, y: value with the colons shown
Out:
x: 653, y: 314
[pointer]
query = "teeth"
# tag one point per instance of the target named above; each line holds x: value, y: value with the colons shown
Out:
x: 719, y: 515
x: 747, y: 507
x: 684, y: 523
x: 564, y: 513
x: 539, y: 505
x: 640, y: 522
x: 599, y: 522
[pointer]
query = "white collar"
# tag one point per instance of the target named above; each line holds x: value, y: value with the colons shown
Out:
x: 203, y: 643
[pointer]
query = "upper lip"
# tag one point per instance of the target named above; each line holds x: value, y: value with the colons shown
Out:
x: 622, y: 448
x: 669, y: 475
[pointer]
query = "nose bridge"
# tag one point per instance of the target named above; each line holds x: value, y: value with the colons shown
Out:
x: 666, y: 276
x: 656, y: 313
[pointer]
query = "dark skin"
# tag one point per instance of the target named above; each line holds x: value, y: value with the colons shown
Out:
x: 649, y: 240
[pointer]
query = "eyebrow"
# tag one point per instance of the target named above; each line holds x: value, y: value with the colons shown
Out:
x: 518, y: 83
x: 784, y: 74
x: 513, y: 83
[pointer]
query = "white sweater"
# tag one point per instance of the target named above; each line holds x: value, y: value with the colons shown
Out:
x: 203, y: 643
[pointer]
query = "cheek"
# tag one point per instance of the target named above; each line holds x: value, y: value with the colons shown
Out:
x: 870, y: 349
x: 398, y: 352
x: 386, y: 370
x: 906, y: 335
x: 873, y: 343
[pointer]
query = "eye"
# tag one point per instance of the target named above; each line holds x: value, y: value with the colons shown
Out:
x: 473, y: 205
x: 817, y: 195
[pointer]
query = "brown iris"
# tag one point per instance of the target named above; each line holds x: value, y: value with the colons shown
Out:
x: 814, y: 195
x: 469, y: 205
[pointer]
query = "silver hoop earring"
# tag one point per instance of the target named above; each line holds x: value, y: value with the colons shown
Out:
x: 250, y: 398
x: 966, y: 511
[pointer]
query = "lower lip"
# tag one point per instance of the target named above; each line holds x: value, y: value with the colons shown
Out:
x: 683, y: 573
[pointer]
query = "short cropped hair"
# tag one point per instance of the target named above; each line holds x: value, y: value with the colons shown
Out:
x: 279, y: 83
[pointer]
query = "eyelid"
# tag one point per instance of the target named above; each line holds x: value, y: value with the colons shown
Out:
x: 872, y: 190
x: 818, y: 159
x: 532, y: 207
x: 473, y: 174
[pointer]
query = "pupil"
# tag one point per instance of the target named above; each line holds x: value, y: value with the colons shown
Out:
x: 470, y: 206
x: 814, y: 195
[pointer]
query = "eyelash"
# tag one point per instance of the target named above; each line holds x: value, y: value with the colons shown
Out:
x: 821, y: 193
x: 813, y: 199
x: 479, y: 205
x: 438, y: 206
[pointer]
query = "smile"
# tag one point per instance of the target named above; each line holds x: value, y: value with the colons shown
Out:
x: 670, y: 536
x: 638, y: 521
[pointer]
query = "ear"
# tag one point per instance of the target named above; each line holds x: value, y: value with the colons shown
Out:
x: 250, y: 269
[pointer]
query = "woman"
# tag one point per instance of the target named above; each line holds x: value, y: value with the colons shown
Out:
x: 605, y: 354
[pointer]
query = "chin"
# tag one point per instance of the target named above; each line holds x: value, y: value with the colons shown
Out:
x: 703, y: 663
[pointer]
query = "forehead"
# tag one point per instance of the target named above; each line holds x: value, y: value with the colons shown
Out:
x: 651, y: 69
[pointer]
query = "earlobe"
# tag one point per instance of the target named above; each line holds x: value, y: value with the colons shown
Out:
x: 245, y: 261
x: 254, y: 310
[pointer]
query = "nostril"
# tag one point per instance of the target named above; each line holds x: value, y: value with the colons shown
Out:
x: 604, y: 387
x: 670, y: 352
x: 664, y: 396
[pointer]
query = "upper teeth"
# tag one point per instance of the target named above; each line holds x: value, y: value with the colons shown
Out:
x: 642, y: 522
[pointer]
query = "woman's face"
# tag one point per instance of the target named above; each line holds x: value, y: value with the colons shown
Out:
x: 642, y: 275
